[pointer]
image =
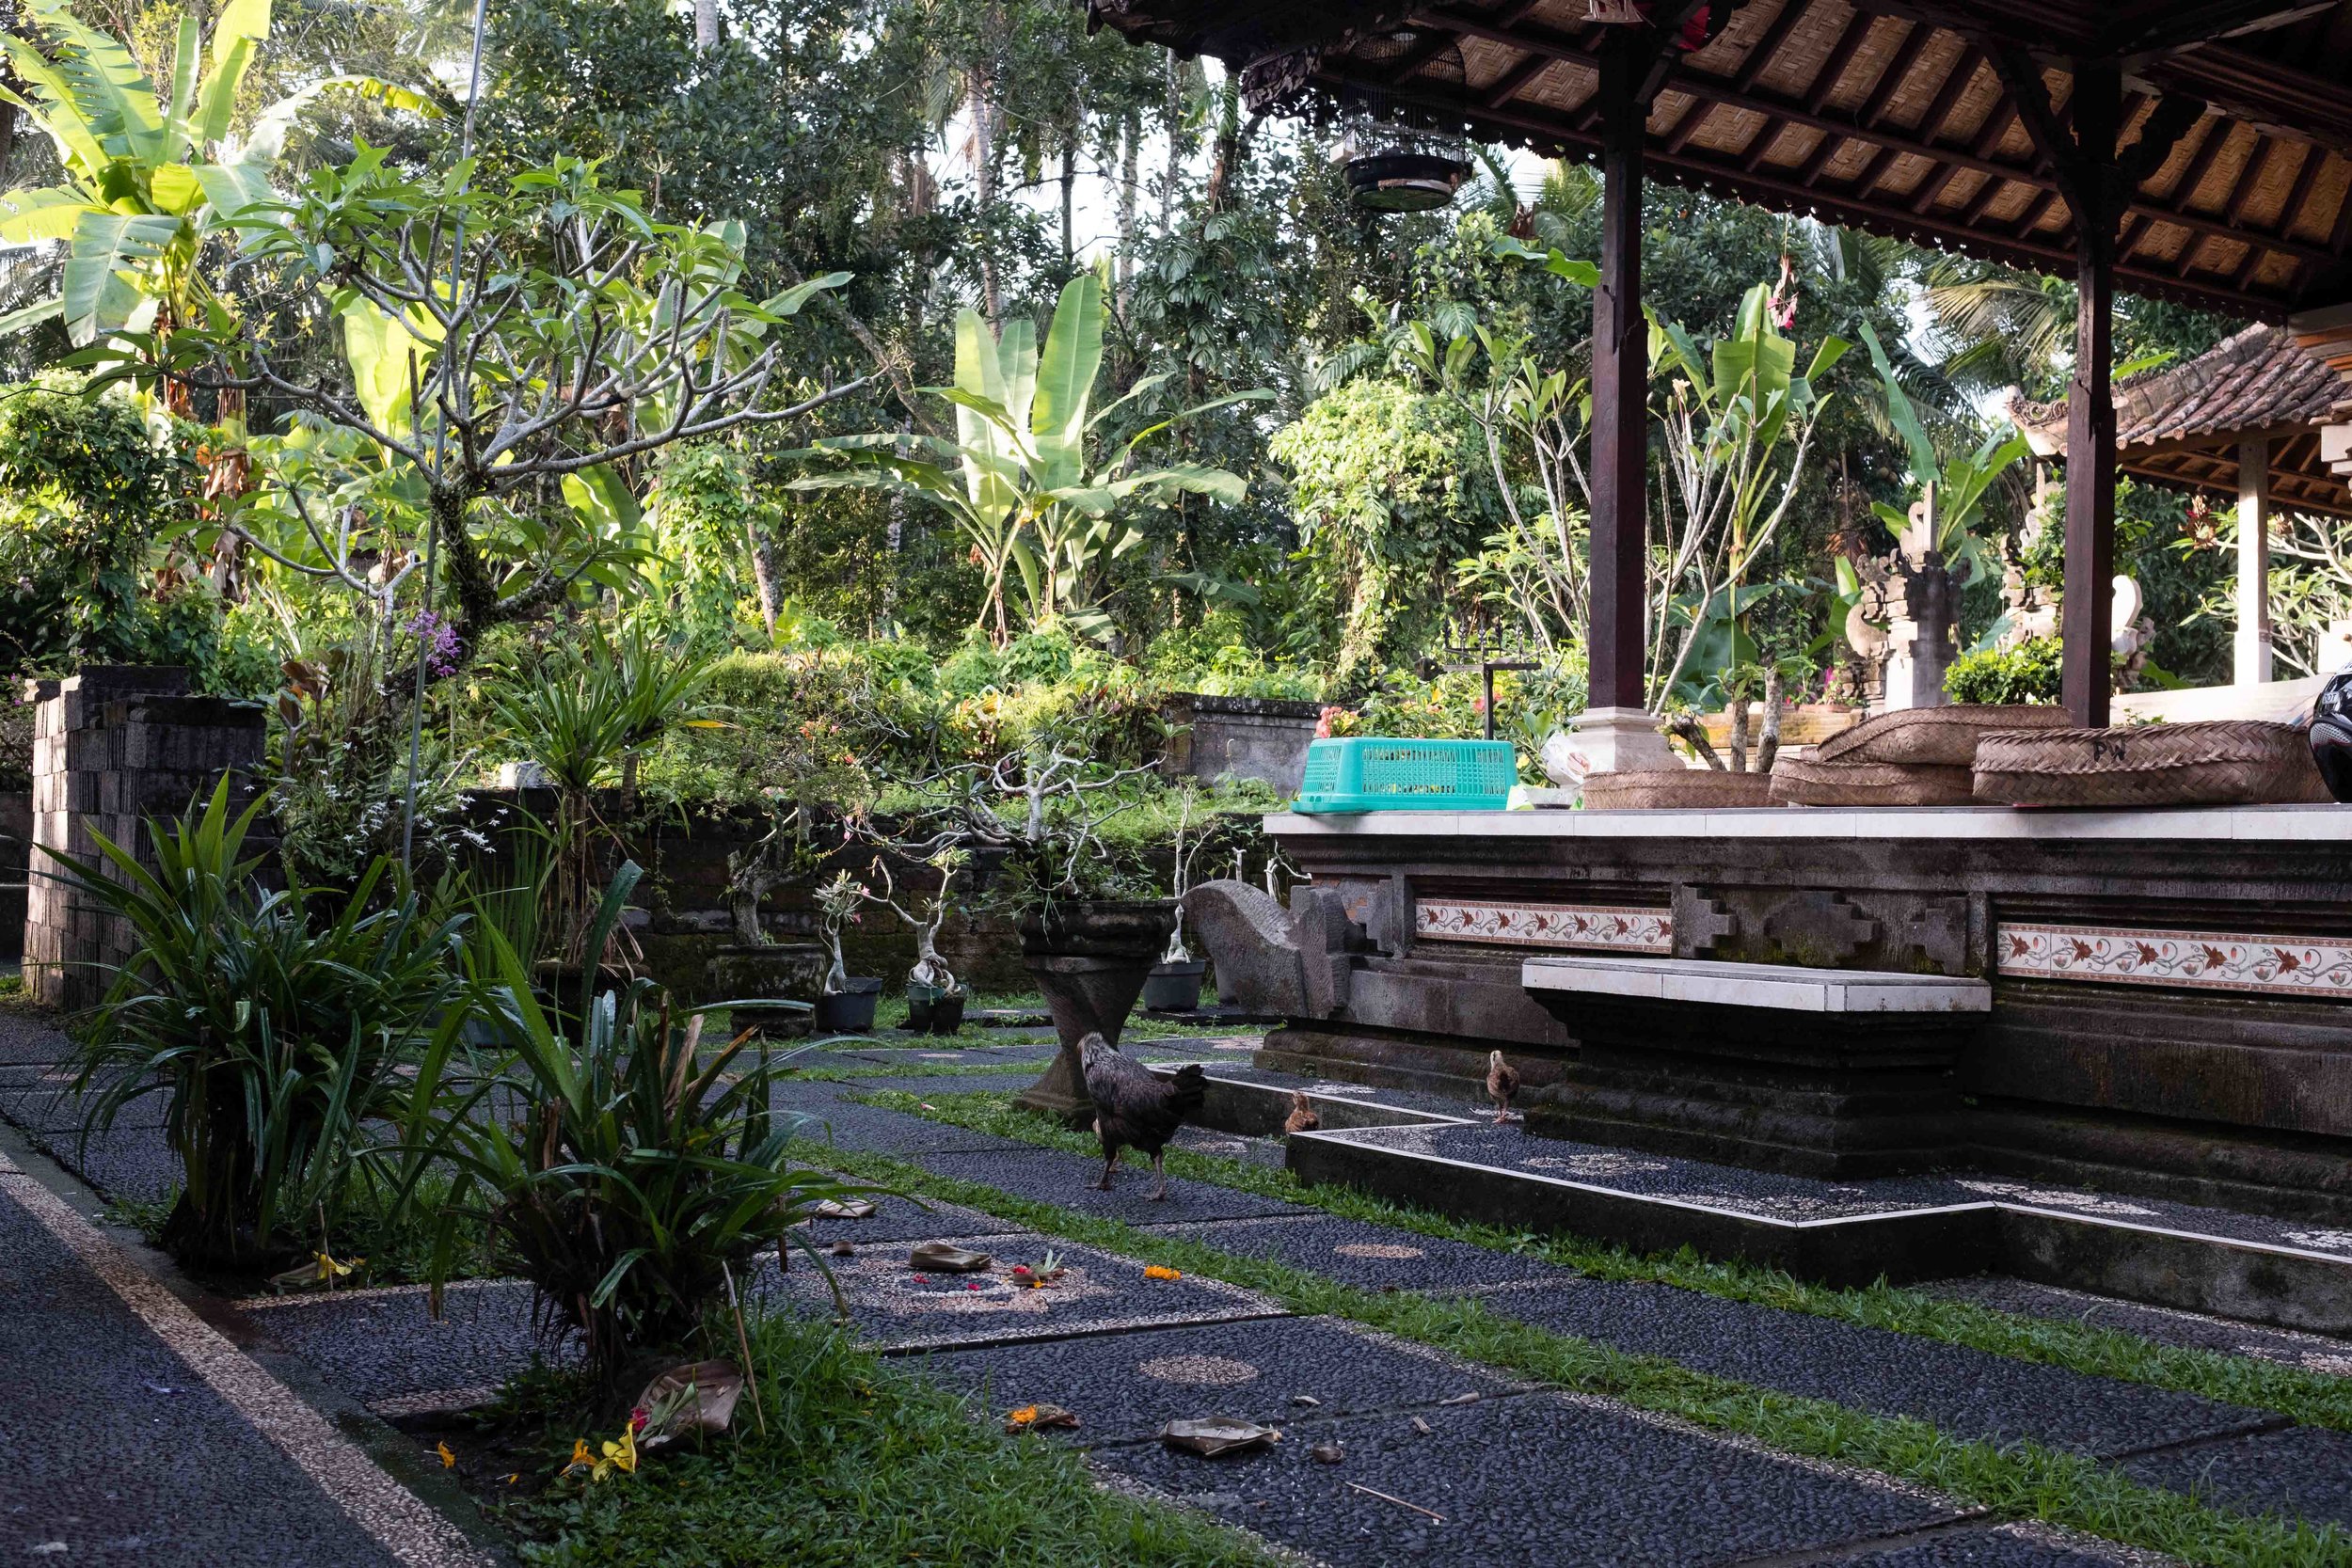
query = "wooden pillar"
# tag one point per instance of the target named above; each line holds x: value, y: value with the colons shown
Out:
x: 1615, y: 641
x: 2252, y: 664
x: 2086, y: 620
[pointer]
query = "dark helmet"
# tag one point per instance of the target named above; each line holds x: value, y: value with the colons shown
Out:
x: 2331, y: 734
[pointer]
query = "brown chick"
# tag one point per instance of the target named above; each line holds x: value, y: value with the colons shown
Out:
x: 1302, y: 1118
x: 1502, y: 1082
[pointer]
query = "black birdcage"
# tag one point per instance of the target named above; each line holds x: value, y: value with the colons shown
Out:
x: 1402, y: 141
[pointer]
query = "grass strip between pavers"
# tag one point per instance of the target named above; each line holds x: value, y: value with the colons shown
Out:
x: 2020, y: 1479
x: 2313, y: 1399
x: 851, y: 1462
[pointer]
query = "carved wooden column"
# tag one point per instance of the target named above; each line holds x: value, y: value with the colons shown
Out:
x: 1615, y: 733
x: 2086, y: 615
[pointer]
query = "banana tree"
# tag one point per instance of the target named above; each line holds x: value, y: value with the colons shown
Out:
x: 1739, y: 424
x: 1018, y: 479
x: 1961, y: 482
x: 148, y: 172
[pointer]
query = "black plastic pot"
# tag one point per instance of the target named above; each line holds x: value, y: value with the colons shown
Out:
x: 933, y: 1011
x: 1174, y: 988
x: 851, y: 1011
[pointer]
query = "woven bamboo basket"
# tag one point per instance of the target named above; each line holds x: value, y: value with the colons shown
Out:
x: 1676, y: 789
x: 1933, y: 736
x: 1811, y: 782
x: 2230, y: 762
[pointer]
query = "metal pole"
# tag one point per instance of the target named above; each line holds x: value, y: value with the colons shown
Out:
x: 440, y: 444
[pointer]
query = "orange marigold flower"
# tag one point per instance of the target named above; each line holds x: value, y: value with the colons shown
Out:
x: 1157, y: 1271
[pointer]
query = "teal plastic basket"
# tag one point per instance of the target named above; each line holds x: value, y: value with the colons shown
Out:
x: 1363, y: 773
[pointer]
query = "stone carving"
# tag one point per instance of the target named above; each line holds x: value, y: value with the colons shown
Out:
x: 2203, y: 961
x: 1296, y: 962
x: 1817, y: 927
x: 1934, y: 929
x: 1595, y: 928
x: 1701, y: 924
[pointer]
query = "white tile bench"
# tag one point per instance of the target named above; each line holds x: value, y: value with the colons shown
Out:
x: 1791, y: 987
x: 1824, y: 1072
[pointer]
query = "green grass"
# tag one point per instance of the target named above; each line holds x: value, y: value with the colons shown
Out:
x: 2315, y: 1398
x: 864, y: 1464
x: 2019, y: 1480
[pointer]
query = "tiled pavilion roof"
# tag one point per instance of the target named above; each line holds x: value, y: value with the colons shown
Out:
x: 2181, y: 425
x: 1924, y: 120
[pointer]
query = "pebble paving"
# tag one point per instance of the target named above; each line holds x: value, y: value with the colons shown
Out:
x: 117, y: 1451
x: 1521, y: 1476
x: 1797, y: 1198
x: 1125, y: 1387
x: 897, y: 1307
x: 1376, y: 1256
x: 1995, y: 1546
x: 1543, y: 1480
x: 2302, y: 1472
x: 2167, y: 1325
x: 1969, y: 1393
x: 1067, y: 1180
x: 384, y: 1349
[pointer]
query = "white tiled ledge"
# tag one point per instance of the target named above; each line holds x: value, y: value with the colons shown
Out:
x: 1783, y: 988
x: 2249, y: 824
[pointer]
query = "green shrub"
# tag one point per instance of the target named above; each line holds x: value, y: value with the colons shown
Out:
x: 276, y: 1041
x: 2026, y: 674
x: 86, y: 491
x: 625, y: 1172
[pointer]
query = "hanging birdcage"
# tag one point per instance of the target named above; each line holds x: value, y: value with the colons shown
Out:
x: 1402, y: 144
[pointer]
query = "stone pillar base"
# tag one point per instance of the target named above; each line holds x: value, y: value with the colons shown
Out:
x: 1610, y: 740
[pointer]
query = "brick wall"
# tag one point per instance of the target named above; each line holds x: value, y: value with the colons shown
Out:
x: 113, y: 745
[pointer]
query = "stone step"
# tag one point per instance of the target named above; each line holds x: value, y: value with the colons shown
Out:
x: 2252, y: 1268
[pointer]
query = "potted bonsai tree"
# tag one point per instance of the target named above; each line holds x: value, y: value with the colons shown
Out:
x: 934, y: 996
x: 844, y: 1002
x: 1174, y: 984
x: 1091, y: 925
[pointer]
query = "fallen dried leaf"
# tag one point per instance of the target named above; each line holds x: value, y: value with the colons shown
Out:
x: 842, y: 1209
x: 1160, y: 1270
x: 697, y: 1396
x: 1328, y: 1453
x: 844, y: 1249
x: 1039, y: 1417
x: 448, y: 1460
x: 1307, y: 1400
x: 1422, y: 1427
x: 1461, y: 1399
x: 1212, y: 1435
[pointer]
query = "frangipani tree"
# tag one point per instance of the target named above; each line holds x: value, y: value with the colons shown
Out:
x: 502, y: 339
x: 1022, y: 478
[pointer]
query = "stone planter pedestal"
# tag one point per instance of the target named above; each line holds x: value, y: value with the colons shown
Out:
x: 1089, y: 959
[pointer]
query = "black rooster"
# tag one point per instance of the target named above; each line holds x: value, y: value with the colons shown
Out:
x: 1134, y: 1107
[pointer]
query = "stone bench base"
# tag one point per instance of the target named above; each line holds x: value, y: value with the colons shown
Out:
x: 1840, y: 1073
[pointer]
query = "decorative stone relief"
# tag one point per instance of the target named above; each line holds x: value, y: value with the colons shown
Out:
x: 1598, y: 928
x: 1935, y: 929
x: 2204, y: 961
x: 1819, y: 927
x: 1702, y: 923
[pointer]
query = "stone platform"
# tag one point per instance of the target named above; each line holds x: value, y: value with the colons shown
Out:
x: 2255, y: 1268
x: 2170, y: 990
